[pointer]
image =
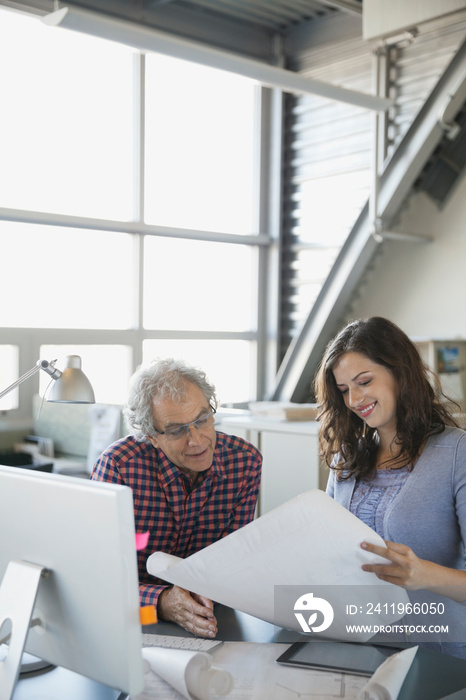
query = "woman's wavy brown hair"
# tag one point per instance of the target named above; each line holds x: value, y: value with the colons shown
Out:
x: 419, y: 412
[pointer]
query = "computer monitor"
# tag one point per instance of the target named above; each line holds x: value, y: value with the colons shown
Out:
x: 87, y: 600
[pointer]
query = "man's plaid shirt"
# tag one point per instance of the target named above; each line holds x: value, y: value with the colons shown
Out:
x: 180, y: 519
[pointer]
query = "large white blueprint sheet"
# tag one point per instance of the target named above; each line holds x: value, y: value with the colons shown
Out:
x: 253, y: 674
x: 257, y: 676
x: 309, y: 541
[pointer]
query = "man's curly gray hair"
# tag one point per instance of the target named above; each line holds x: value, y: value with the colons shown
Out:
x: 159, y: 380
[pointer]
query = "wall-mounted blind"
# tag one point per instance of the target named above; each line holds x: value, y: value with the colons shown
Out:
x: 327, y: 174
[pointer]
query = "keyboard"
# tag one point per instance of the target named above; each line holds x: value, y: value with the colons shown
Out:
x: 171, y: 642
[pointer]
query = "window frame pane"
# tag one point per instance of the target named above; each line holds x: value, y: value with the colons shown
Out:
x: 198, y: 291
x: 30, y: 339
x: 181, y: 194
x: 60, y: 129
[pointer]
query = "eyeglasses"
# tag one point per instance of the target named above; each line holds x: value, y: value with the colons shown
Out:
x: 182, y: 431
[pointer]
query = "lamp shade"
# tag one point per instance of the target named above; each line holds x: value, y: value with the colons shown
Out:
x: 72, y: 386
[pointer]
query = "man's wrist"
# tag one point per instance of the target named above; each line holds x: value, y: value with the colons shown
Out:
x: 160, y: 600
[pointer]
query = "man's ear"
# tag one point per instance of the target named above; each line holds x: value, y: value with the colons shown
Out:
x: 152, y: 440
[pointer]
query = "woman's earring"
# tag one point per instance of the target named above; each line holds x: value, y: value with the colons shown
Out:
x: 364, y: 429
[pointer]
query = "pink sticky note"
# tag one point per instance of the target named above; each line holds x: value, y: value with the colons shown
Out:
x: 142, y: 540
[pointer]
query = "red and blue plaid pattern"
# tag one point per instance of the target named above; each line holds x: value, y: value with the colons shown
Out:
x: 181, y: 519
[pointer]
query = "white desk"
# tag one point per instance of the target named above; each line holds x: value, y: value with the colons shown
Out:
x: 433, y: 676
x: 60, y: 684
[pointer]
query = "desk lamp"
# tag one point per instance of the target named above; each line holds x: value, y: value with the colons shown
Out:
x: 70, y: 386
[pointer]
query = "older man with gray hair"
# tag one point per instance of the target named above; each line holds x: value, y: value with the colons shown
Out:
x: 191, y: 484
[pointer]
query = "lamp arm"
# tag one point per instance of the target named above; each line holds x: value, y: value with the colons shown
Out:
x: 40, y: 364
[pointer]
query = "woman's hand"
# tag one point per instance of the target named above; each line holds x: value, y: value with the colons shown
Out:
x: 409, y: 571
x: 405, y: 568
x: 191, y: 611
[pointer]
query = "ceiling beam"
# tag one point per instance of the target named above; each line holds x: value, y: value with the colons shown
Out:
x: 148, y: 39
x: 345, y: 5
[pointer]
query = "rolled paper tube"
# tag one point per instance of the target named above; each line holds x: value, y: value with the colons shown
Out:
x: 386, y: 682
x: 190, y: 672
x: 205, y: 682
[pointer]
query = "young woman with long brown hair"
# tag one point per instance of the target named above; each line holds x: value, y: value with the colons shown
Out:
x: 397, y: 460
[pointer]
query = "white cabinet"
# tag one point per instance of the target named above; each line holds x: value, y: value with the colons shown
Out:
x: 290, y: 453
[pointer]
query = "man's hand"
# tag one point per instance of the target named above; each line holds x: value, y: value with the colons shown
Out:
x: 191, y: 611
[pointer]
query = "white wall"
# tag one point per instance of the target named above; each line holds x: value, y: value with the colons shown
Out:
x: 421, y: 287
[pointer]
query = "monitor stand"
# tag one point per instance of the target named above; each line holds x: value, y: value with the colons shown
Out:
x: 18, y: 593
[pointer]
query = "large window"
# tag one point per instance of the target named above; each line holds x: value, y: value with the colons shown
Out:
x: 199, y: 285
x: 65, y: 278
x: 200, y: 147
x: 114, y: 261
x: 8, y: 374
x: 66, y: 121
